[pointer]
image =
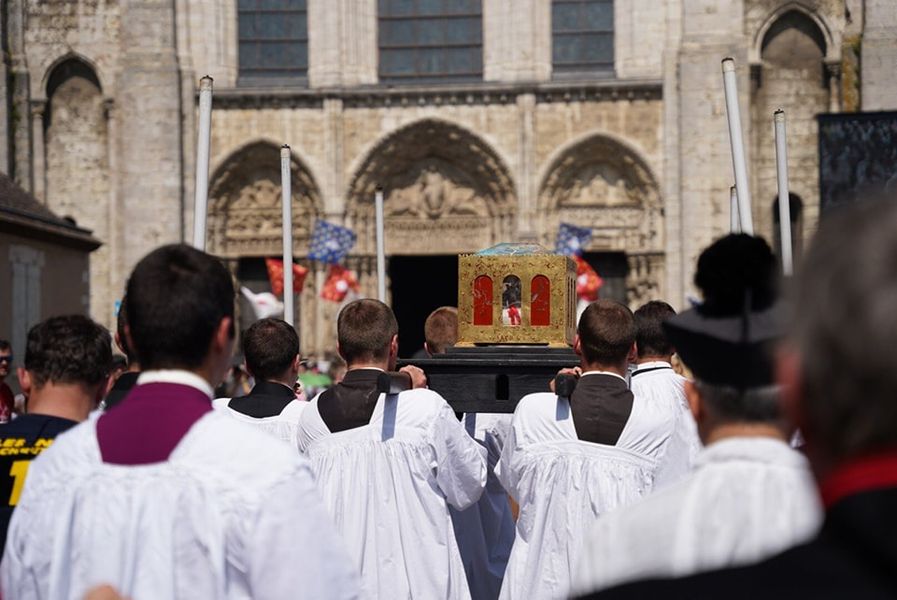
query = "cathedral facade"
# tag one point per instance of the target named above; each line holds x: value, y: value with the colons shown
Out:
x: 484, y: 121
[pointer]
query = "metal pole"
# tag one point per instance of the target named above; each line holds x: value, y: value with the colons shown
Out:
x: 381, y: 253
x: 287, y: 202
x: 735, y: 138
x: 201, y: 187
x: 734, y: 220
x: 784, y: 197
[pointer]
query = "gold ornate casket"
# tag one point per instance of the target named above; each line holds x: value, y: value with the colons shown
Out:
x: 516, y: 294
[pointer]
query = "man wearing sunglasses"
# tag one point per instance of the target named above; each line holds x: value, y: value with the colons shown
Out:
x: 7, y: 400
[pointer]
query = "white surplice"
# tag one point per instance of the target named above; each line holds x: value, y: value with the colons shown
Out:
x: 231, y: 514
x: 388, y: 485
x: 284, y: 426
x: 747, y: 499
x: 656, y: 385
x: 562, y: 484
x: 485, y: 531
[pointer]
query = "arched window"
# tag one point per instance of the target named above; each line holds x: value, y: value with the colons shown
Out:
x: 797, y: 207
x: 482, y: 300
x: 430, y: 40
x: 582, y: 36
x: 540, y: 301
x: 273, y: 41
x: 511, y: 306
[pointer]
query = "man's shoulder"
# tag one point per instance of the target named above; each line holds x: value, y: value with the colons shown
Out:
x: 813, y: 570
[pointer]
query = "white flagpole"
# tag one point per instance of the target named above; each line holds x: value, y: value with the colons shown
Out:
x: 735, y: 138
x: 381, y: 253
x: 734, y: 220
x: 201, y: 187
x: 784, y: 197
x: 287, y: 202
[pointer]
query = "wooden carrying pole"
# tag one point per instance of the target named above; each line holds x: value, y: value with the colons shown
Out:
x: 201, y: 187
x: 286, y: 196
x: 784, y: 196
x: 735, y: 138
x: 734, y: 220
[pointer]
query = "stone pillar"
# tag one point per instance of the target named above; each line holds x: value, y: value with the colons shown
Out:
x: 150, y: 177
x: 879, y: 56
x: 39, y: 159
x: 20, y: 124
x: 516, y: 40
x: 711, y: 31
x: 342, y: 43
x: 332, y: 188
x: 526, y: 184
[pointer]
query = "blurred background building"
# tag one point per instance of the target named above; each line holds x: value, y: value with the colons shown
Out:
x: 484, y: 120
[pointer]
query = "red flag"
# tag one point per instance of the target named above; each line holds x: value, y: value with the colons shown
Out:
x: 339, y: 281
x: 588, y: 282
x: 275, y: 275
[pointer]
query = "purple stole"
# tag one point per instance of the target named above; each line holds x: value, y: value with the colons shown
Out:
x: 149, y: 423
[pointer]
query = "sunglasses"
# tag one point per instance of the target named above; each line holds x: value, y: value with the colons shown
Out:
x: 6, y: 358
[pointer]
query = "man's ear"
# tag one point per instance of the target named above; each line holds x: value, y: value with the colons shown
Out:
x: 577, y: 345
x: 25, y: 382
x: 129, y: 339
x: 294, y: 366
x: 694, y: 400
x: 394, y: 345
x: 117, y: 339
x: 340, y: 352
x: 427, y: 349
x: 633, y: 353
x: 790, y: 379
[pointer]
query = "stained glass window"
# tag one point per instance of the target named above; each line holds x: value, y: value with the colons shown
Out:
x: 582, y: 33
x: 273, y: 41
x: 430, y: 40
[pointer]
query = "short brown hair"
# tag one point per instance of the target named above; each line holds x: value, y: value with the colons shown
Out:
x: 606, y: 332
x: 441, y: 329
x: 364, y: 330
x: 649, y: 336
x: 270, y: 346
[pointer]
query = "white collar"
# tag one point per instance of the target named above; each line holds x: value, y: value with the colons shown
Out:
x: 654, y: 364
x: 177, y: 376
x: 617, y: 375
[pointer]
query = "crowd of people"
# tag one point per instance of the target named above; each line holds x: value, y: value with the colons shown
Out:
x: 766, y: 470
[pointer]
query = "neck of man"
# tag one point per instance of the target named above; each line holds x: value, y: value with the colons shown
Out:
x: 71, y: 401
x: 617, y: 369
x: 382, y: 365
x: 288, y: 379
x: 654, y: 358
x: 744, y: 429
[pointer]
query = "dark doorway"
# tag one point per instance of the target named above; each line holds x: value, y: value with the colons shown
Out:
x: 420, y: 284
x: 613, y: 268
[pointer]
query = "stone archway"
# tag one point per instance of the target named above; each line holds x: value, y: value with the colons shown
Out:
x: 245, y: 206
x: 446, y: 191
x: 244, y: 227
x: 601, y: 183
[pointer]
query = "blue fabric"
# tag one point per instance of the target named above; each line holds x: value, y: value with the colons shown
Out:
x: 571, y: 239
x: 330, y: 243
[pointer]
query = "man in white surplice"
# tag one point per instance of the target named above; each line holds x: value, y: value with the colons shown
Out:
x: 484, y: 531
x: 162, y: 497
x: 751, y: 495
x: 566, y: 461
x: 271, y: 350
x: 388, y: 465
x: 659, y: 388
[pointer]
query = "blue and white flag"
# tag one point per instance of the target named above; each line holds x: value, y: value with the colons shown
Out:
x: 572, y: 239
x: 330, y: 243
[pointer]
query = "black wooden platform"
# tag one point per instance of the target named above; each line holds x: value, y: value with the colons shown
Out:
x: 493, y: 378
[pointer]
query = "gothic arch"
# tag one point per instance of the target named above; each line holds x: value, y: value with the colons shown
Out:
x: 832, y: 50
x: 66, y: 64
x: 73, y: 161
x: 446, y: 190
x: 245, y: 203
x: 604, y: 183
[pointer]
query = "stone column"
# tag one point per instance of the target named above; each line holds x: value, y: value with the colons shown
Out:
x: 39, y: 159
x: 342, y: 43
x: 879, y: 56
x: 516, y: 40
x: 711, y: 31
x: 526, y: 193
x: 150, y: 177
x: 20, y: 124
